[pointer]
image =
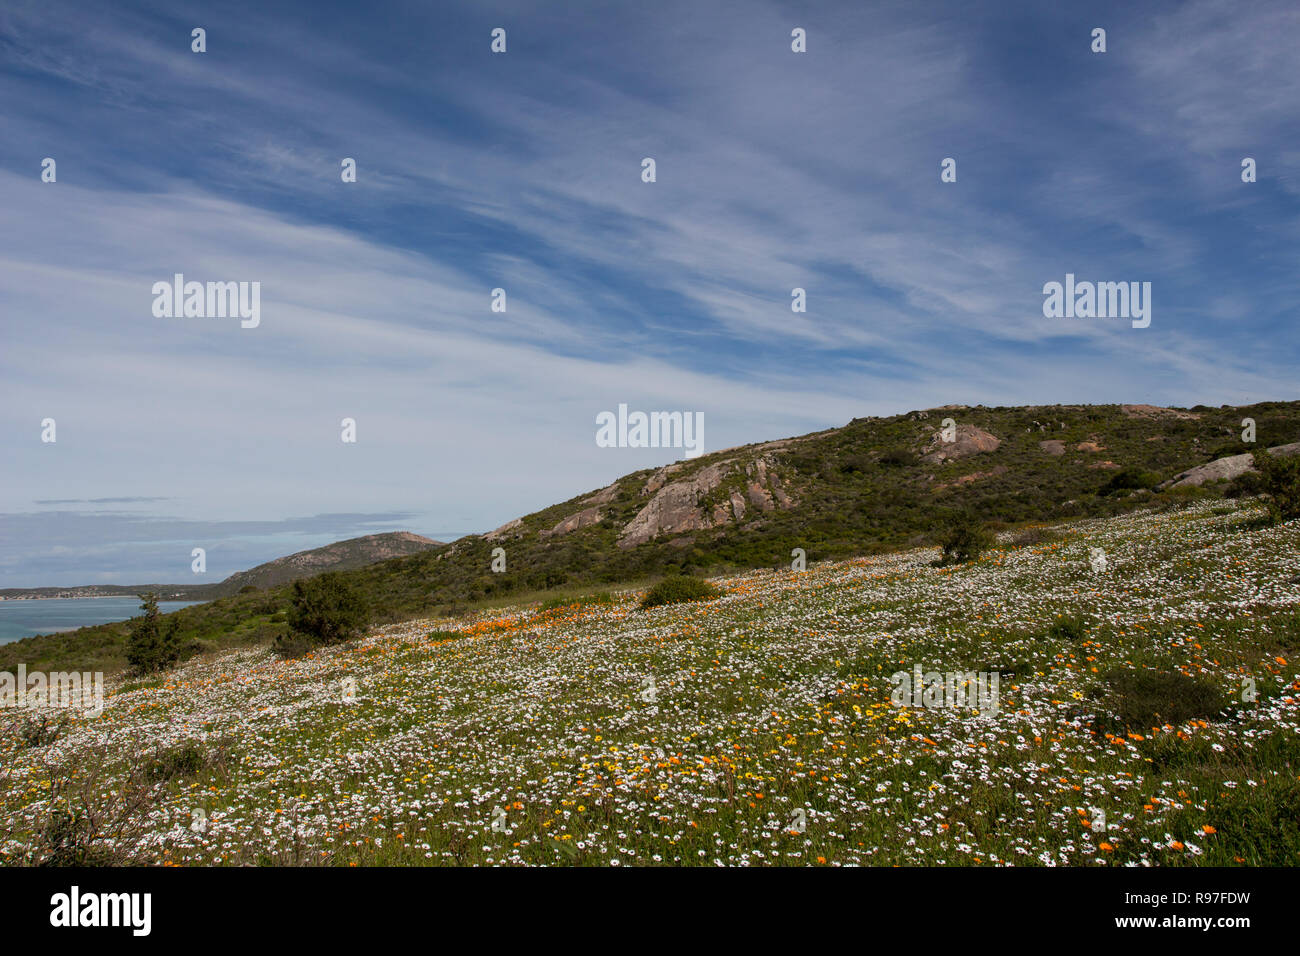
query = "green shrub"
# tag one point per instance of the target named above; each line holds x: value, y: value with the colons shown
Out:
x: 1129, y: 479
x: 1069, y: 629
x: 183, y: 760
x: 290, y: 645
x: 1035, y: 534
x: 898, y: 457
x: 69, y: 838
x: 1279, y: 479
x: 327, y: 609
x: 856, y: 464
x: 1142, y: 699
x: 38, y: 730
x: 677, y: 589
x: 1245, y: 485
x: 965, y: 541
x: 600, y: 597
x: 151, y: 646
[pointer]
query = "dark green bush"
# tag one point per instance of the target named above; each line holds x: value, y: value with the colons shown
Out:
x: 965, y: 540
x: 326, y: 609
x: 1142, y: 699
x: 1245, y: 485
x: 854, y: 464
x: 1279, y: 479
x: 1071, y: 629
x: 1129, y: 479
x: 151, y: 646
x: 183, y: 760
x: 70, y: 838
x: 38, y: 730
x: 898, y: 457
x: 292, y: 645
x: 679, y: 588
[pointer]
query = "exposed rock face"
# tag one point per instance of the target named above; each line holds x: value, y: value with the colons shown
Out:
x: 602, y: 497
x: 1053, y: 447
x: 969, y: 441
x: 675, y: 505
x: 1090, y: 446
x: 505, y: 530
x: 678, y: 505
x: 1224, y: 469
x: 575, y: 521
x: 660, y: 478
x: 580, y: 519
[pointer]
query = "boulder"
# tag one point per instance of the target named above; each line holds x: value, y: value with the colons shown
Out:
x: 1224, y: 469
x: 969, y: 441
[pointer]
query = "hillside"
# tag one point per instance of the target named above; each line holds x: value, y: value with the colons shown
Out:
x: 340, y: 556
x: 1145, y: 714
x: 870, y: 486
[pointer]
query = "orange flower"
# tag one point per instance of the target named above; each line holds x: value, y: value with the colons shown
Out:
x: 1207, y: 829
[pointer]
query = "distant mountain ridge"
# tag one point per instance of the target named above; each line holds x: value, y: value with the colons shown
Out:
x: 339, y: 556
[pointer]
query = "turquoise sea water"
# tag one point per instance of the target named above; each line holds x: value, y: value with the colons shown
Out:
x: 19, y: 619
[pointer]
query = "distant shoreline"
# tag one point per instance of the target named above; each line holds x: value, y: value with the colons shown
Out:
x: 83, y: 597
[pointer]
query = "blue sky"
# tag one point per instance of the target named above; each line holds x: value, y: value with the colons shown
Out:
x: 522, y: 171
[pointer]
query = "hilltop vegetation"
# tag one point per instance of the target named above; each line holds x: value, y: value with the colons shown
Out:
x: 1144, y: 715
x: 873, y: 485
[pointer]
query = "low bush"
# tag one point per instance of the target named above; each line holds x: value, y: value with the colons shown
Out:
x: 677, y: 589
x: 1279, y: 480
x: 600, y: 597
x: 964, y: 541
x: 1129, y: 479
x: 1069, y: 629
x: 1143, y: 699
x: 183, y: 760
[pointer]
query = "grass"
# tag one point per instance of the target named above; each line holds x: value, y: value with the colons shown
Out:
x: 599, y: 734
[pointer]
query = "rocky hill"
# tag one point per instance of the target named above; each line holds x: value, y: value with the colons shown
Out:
x: 872, y: 485
x: 339, y: 556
